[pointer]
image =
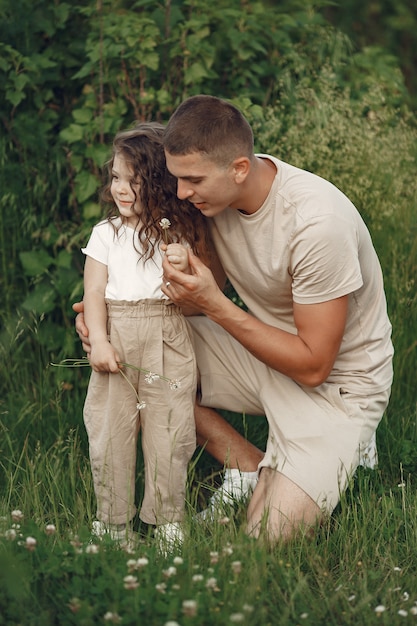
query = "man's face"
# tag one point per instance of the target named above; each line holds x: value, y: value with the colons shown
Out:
x: 206, y: 185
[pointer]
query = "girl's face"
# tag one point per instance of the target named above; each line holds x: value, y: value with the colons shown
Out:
x: 125, y: 191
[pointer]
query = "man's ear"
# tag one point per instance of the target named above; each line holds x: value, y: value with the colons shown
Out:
x: 241, y: 167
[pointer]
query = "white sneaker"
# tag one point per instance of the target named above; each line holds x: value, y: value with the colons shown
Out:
x: 170, y: 537
x: 237, y: 487
x: 123, y: 534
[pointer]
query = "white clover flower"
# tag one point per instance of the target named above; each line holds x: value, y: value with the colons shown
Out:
x: 112, y: 617
x: 397, y: 569
x: 248, y: 608
x: 130, y: 582
x: 189, y: 608
x: 17, y: 515
x: 211, y: 583
x: 142, y: 562
x: 303, y: 615
x: 236, y: 567
x: 402, y: 612
x: 237, y: 618
x: 224, y: 521
x: 150, y: 378
x: 171, y: 571
x: 50, y: 529
x: 174, y: 384
x: 92, y: 548
x: 171, y: 624
x: 214, y: 557
x: 379, y: 609
x: 413, y: 610
x: 178, y: 560
x: 141, y: 405
x: 197, y: 578
x: 30, y: 543
x: 10, y: 534
x: 228, y: 550
x: 405, y: 596
x: 131, y: 565
x: 161, y: 587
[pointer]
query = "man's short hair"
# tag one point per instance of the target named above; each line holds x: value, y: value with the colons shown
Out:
x: 211, y: 126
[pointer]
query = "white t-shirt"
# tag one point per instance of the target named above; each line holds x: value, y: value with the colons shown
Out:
x: 308, y: 244
x: 129, y: 276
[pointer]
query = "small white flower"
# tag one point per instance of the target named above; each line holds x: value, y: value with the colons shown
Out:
x: 165, y: 223
x: 214, y: 557
x: 303, y: 615
x: 211, y: 583
x: 171, y: 571
x: 197, y: 578
x: 405, y: 596
x: 379, y: 609
x: 189, y: 608
x: 228, y: 550
x: 142, y: 562
x: 174, y: 384
x: 141, y: 405
x: 402, y: 612
x: 236, y: 567
x: 130, y: 582
x: 161, y: 587
x: 112, y: 617
x: 17, y: 515
x: 236, y: 618
x: 171, y: 624
x: 248, y: 608
x: 10, y: 534
x: 401, y: 485
x: 397, y: 569
x: 131, y: 565
x: 150, y: 378
x: 92, y: 548
x: 351, y: 598
x: 50, y: 529
x: 178, y: 560
x: 413, y: 610
x: 30, y: 543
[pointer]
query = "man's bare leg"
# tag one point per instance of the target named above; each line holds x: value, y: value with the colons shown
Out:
x: 223, y: 442
x: 279, y: 507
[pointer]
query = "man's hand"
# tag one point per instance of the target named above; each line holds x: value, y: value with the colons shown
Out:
x: 80, y: 326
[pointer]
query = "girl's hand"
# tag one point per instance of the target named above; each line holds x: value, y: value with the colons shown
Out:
x: 177, y: 255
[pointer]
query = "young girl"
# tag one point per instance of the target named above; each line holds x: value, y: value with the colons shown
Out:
x: 131, y: 321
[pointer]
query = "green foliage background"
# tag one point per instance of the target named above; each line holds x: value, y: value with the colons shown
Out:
x: 326, y: 86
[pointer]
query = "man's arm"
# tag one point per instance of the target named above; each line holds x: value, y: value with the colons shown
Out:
x: 307, y: 357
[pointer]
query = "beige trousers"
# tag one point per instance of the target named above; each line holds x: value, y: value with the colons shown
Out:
x: 153, y: 335
x: 316, y: 435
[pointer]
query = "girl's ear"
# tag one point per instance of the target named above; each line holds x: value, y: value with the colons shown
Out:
x: 241, y: 167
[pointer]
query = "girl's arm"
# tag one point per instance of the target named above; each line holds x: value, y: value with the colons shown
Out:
x: 103, y: 357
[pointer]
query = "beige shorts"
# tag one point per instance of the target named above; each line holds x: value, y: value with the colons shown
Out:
x: 153, y: 335
x: 315, y: 434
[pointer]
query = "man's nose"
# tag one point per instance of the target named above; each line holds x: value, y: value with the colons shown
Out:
x: 183, y: 190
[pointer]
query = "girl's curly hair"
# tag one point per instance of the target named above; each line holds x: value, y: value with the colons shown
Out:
x: 142, y: 148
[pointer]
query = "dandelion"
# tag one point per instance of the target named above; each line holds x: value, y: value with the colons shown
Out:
x: 30, y: 543
x: 151, y: 377
x: 379, y: 609
x: 130, y: 582
x: 237, y: 618
x: 17, y: 515
x: 174, y: 384
x: 189, y: 608
x: 50, y: 529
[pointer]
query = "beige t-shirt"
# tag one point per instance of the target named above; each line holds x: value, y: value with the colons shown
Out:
x: 308, y: 244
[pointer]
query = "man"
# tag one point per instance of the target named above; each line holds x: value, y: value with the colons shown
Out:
x: 314, y: 352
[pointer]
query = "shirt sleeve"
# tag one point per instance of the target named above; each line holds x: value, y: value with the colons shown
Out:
x: 325, y: 259
x: 98, y: 245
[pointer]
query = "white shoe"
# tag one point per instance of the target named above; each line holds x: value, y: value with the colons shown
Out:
x: 170, y: 537
x: 123, y: 534
x: 237, y: 487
